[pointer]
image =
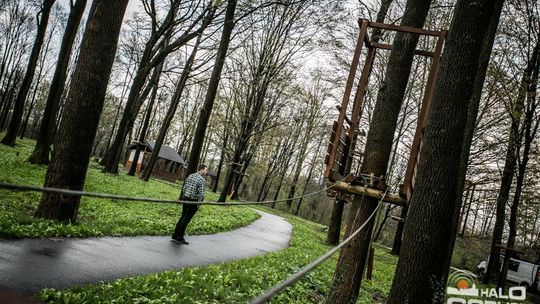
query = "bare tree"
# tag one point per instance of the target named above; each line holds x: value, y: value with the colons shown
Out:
x: 40, y: 155
x: 525, y: 137
x: 377, y: 152
x: 73, y: 145
x: 433, y: 205
x: 206, y: 110
x: 153, y: 54
x: 13, y: 129
x: 267, y: 56
x: 181, y: 85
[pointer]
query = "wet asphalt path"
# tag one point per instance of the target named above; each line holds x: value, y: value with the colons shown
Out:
x: 29, y: 265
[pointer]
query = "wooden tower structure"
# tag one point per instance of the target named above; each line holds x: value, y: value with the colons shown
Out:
x: 342, y: 155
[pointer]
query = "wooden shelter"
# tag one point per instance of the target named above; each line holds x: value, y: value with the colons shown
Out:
x: 170, y: 165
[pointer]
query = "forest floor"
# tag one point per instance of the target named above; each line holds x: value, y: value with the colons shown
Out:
x: 231, y: 282
x: 242, y: 280
x: 101, y: 217
x: 238, y: 281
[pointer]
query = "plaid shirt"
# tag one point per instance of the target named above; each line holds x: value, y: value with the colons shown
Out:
x: 194, y: 186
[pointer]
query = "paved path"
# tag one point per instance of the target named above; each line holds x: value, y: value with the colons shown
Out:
x: 29, y: 265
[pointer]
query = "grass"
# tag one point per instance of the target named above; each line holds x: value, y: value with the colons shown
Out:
x: 469, y: 252
x: 242, y: 280
x: 99, y: 217
x: 238, y: 281
x: 232, y: 282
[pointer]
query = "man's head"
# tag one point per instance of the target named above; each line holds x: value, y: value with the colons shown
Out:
x: 202, y: 169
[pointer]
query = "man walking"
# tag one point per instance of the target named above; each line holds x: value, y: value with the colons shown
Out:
x: 193, y: 190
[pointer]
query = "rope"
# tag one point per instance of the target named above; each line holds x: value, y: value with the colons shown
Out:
x: 368, y: 178
x: 69, y: 192
x: 269, y: 293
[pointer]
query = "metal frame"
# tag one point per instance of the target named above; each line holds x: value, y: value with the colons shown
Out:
x: 341, y: 148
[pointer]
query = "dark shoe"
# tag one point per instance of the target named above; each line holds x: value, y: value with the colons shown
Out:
x: 180, y: 241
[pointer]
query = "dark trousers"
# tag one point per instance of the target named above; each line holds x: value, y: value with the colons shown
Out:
x: 188, y: 211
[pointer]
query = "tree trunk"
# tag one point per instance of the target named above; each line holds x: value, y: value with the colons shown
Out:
x: 205, y: 148
x: 474, y: 104
x: 310, y: 173
x: 299, y: 162
x: 473, y: 226
x: 8, y: 100
x: 181, y: 85
x: 352, y: 258
x: 464, y: 205
x: 135, y: 96
x: 501, y: 281
x: 146, y: 121
x: 39, y: 77
x: 334, y: 227
x: 24, y: 125
x: 509, y: 169
x: 398, y: 237
x: 280, y: 159
x: 472, y: 114
x: 469, y: 205
x: 486, y: 217
x: 378, y: 234
x: 14, y: 126
x: 73, y: 145
x: 40, y: 155
x: 133, y: 104
x: 240, y: 177
x: 211, y: 93
x: 220, y: 164
x: 531, y: 127
x: 113, y: 127
x: 280, y: 183
x: 231, y: 173
x: 12, y: 59
x: 421, y: 273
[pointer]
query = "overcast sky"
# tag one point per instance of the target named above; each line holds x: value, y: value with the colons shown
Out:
x: 132, y: 5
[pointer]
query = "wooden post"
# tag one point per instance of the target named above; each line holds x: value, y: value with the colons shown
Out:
x: 346, y: 95
x: 369, y: 271
x: 357, y: 112
x: 422, y: 119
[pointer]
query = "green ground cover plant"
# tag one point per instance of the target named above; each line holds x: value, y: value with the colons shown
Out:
x: 100, y: 217
x: 238, y: 281
x: 242, y: 280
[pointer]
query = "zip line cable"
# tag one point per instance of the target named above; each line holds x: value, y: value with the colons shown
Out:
x: 27, y: 188
x: 269, y: 293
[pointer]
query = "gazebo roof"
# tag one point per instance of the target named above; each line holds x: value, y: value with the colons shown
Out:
x: 165, y: 152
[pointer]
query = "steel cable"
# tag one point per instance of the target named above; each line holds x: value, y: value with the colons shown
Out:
x: 269, y: 293
x: 69, y: 192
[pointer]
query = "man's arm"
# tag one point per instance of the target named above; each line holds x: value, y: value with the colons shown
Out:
x: 202, y: 188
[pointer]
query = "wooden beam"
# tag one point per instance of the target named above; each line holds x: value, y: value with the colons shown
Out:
x: 410, y: 172
x: 347, y: 93
x: 391, y: 198
x: 367, y: 40
x: 385, y: 46
x: 347, y: 119
x: 397, y: 218
x: 404, y: 29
